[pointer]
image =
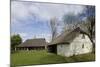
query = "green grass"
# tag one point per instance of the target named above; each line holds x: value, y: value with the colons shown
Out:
x: 81, y: 58
x: 43, y: 57
x: 35, y: 57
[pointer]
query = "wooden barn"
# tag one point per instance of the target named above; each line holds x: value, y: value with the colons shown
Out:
x: 33, y: 44
x: 71, y: 43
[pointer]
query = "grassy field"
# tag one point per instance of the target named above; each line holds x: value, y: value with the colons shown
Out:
x: 43, y: 57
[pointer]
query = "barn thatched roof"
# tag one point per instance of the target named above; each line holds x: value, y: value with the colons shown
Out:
x: 67, y: 36
x: 33, y: 43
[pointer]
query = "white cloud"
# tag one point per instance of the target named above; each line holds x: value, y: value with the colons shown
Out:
x: 19, y: 11
x: 46, y: 36
x: 24, y: 10
x: 26, y: 36
x: 23, y: 35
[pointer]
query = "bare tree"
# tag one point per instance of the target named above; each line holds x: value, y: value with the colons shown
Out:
x: 53, y: 25
x: 89, y: 14
x: 70, y: 21
x: 90, y: 25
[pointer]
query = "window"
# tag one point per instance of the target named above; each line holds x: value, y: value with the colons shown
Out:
x: 83, y: 36
x: 83, y: 46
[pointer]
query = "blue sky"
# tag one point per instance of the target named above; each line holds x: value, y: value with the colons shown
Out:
x: 31, y: 19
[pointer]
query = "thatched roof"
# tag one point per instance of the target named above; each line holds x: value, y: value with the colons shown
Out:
x: 33, y: 43
x: 67, y: 36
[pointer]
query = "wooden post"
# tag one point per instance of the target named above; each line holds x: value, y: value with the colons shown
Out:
x: 45, y: 47
x: 27, y: 49
x: 15, y: 48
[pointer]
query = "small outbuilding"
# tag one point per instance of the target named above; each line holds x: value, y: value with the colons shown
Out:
x: 71, y: 43
x: 33, y: 44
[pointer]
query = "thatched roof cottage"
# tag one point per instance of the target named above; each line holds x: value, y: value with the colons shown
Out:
x: 33, y: 44
x: 71, y: 43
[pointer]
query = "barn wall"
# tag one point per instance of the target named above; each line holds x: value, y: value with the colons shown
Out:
x: 76, y: 47
x: 81, y: 45
x: 63, y: 50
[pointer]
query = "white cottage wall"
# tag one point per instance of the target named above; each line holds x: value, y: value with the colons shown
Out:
x: 79, y: 45
x: 63, y: 50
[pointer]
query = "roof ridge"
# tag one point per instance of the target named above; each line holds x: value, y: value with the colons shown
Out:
x: 62, y: 37
x: 68, y: 32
